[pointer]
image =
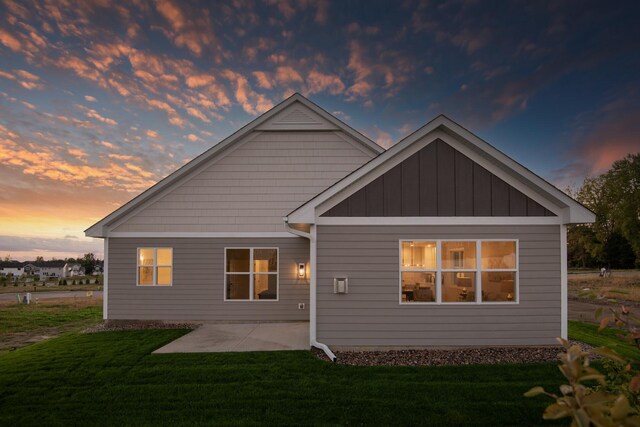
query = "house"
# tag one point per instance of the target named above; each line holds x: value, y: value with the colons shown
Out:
x: 97, y: 270
x: 14, y: 271
x: 72, y: 270
x: 51, y: 269
x: 442, y: 240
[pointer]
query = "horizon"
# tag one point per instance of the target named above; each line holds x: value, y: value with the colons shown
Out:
x: 99, y: 100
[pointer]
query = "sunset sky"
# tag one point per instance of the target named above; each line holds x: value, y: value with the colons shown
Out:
x: 99, y: 100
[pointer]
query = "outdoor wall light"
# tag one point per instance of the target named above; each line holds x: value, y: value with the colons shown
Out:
x: 302, y: 270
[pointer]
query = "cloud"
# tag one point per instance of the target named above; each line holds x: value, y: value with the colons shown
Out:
x: 90, y: 98
x: 286, y: 74
x: 200, y: 80
x: 193, y: 138
x: 9, y: 41
x: 190, y: 28
x: 383, y: 138
x: 28, y: 248
x: 93, y: 114
x: 322, y: 12
x: 152, y: 134
x: 264, y: 80
x: 319, y: 82
x: 251, y: 101
x: 23, y: 78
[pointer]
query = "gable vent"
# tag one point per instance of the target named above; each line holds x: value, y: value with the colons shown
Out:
x: 297, y: 117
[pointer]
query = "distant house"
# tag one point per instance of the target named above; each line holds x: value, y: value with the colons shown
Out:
x: 441, y: 240
x: 15, y: 271
x: 97, y: 270
x: 72, y: 270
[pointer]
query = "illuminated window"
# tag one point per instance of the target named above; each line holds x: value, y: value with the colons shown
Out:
x: 251, y: 274
x: 418, y: 275
x: 453, y: 271
x: 155, y: 267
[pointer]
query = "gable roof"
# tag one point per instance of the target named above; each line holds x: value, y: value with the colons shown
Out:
x: 278, y: 118
x: 474, y: 147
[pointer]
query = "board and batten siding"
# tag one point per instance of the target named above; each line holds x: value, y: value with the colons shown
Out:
x: 370, y: 315
x: 198, y: 282
x: 253, y: 186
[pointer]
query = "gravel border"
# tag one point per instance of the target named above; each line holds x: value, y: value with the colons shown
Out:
x: 457, y: 357
x: 136, y: 325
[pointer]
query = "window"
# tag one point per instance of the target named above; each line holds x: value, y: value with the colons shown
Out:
x: 418, y: 274
x: 251, y: 274
x: 155, y: 266
x: 458, y: 271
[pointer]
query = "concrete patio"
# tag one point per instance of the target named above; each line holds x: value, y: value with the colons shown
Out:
x: 230, y: 337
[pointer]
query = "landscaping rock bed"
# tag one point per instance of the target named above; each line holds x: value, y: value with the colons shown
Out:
x: 461, y: 356
x: 133, y: 325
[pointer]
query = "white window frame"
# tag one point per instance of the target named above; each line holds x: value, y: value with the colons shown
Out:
x: 477, y: 270
x: 251, y: 274
x: 155, y: 265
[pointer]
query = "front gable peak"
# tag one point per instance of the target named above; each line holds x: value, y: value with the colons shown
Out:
x: 297, y: 116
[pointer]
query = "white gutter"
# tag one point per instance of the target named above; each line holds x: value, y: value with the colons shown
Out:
x: 312, y: 288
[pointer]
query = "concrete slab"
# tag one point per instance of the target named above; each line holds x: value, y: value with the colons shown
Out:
x: 229, y: 337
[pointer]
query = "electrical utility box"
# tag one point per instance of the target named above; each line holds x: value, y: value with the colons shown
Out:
x: 340, y: 285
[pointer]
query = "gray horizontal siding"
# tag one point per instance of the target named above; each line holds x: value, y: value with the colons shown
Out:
x: 252, y: 187
x: 370, y: 314
x: 198, y: 282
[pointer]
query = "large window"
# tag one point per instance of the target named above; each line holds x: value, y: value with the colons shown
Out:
x: 251, y: 274
x: 458, y: 271
x: 155, y: 267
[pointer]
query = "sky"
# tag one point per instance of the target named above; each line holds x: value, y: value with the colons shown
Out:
x: 100, y: 99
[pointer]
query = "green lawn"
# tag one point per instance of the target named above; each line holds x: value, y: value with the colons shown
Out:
x: 588, y: 333
x: 25, y: 318
x: 111, y: 378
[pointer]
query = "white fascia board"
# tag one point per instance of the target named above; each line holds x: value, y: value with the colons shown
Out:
x: 204, y: 234
x: 579, y: 213
x: 441, y: 220
x: 416, y: 146
x: 565, y: 207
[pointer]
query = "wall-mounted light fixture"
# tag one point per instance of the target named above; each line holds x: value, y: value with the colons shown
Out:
x: 302, y: 270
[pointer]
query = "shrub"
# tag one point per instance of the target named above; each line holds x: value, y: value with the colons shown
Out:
x: 74, y: 282
x: 95, y: 282
x: 613, y: 399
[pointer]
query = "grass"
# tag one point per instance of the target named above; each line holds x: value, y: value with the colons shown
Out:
x: 22, y: 324
x: 588, y: 333
x: 622, y: 286
x: 111, y: 378
x: 28, y: 287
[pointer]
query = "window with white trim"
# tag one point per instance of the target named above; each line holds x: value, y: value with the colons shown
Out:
x: 251, y: 274
x: 458, y: 271
x: 155, y: 267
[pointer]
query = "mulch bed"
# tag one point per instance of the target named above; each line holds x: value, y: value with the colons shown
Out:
x: 138, y: 325
x: 461, y: 356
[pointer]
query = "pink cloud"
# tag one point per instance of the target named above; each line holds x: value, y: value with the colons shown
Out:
x: 251, y: 102
x: 9, y: 41
x: 200, y: 80
x: 264, y: 81
x: 286, y: 74
x: 319, y: 82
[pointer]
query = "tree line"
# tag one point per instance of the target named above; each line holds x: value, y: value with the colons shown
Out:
x: 87, y: 261
x: 613, y: 241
